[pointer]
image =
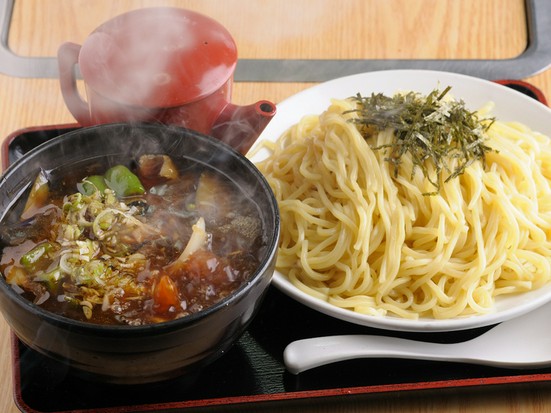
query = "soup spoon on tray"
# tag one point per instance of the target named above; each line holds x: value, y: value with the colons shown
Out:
x: 521, y: 342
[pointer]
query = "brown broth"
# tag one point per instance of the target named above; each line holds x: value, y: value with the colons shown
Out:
x: 159, y: 290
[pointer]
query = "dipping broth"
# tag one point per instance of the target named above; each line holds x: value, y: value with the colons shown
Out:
x: 133, y: 245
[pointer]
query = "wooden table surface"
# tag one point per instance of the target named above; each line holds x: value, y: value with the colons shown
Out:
x: 289, y: 29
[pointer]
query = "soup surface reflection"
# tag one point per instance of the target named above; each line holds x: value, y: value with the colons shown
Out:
x: 133, y: 245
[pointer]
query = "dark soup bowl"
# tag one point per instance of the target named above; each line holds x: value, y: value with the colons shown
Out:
x: 157, y: 323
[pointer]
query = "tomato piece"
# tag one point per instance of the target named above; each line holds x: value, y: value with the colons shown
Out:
x: 165, y: 294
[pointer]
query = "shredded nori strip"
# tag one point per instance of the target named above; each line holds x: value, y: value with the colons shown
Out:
x: 431, y: 128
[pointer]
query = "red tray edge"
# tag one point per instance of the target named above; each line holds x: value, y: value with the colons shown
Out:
x: 286, y: 396
x: 8, y: 140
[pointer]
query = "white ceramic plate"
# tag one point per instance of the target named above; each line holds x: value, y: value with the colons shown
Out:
x: 510, y: 105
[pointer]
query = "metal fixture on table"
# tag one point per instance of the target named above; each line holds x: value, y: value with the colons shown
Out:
x: 535, y: 58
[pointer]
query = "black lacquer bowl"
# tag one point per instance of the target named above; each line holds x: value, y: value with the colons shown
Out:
x: 138, y: 354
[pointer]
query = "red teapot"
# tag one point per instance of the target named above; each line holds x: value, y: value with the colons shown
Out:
x: 161, y: 64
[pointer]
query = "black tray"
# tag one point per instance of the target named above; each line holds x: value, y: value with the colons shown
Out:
x: 253, y: 370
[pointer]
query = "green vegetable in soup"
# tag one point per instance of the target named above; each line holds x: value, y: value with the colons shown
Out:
x: 37, y: 257
x: 121, y: 180
x: 91, y: 184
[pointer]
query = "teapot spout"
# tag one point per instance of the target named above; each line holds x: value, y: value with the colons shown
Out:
x: 240, y: 126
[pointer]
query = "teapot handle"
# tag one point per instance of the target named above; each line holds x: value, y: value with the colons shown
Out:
x: 67, y: 57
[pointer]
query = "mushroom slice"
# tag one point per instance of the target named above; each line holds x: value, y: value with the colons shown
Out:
x: 152, y: 166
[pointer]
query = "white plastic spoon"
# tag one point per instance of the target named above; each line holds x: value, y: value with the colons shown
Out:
x: 524, y: 341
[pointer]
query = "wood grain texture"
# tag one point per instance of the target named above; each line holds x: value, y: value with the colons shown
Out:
x: 377, y: 29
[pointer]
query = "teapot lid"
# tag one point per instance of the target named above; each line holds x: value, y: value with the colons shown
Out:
x: 158, y: 57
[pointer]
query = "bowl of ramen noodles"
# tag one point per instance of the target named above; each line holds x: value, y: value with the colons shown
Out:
x: 134, y: 253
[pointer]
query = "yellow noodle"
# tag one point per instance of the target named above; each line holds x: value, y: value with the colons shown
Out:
x: 361, y: 238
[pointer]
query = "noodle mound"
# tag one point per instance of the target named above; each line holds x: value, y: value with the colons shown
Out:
x: 355, y: 234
